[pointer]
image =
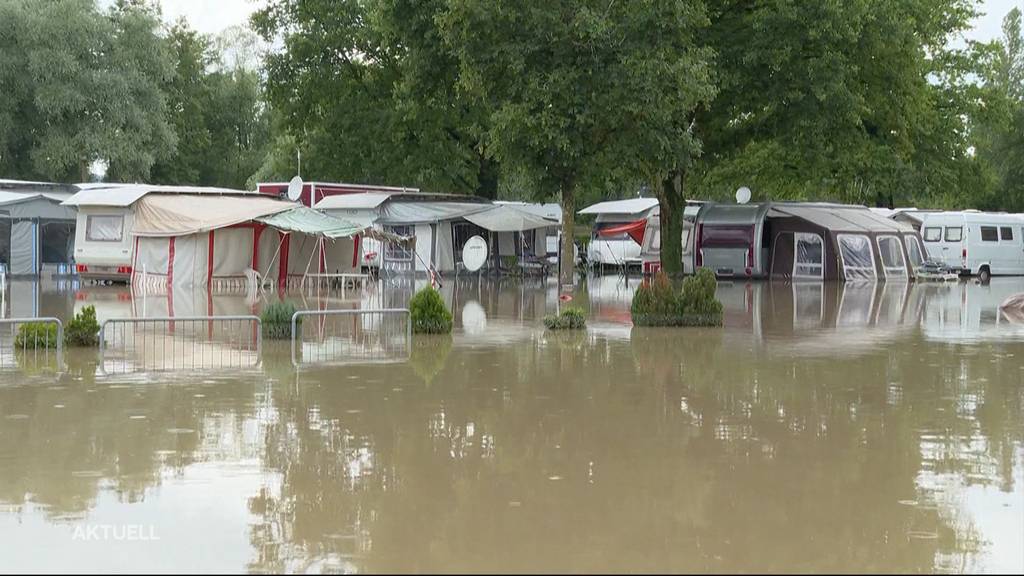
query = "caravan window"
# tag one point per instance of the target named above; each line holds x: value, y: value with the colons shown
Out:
x: 914, y: 251
x: 104, y: 228
x: 656, y: 240
x: 809, y: 261
x: 858, y: 263
x: 1006, y: 233
x: 932, y: 234
x: 892, y: 256
x: 989, y: 234
x: 686, y: 240
x: 954, y: 234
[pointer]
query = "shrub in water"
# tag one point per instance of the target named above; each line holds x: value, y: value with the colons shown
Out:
x: 277, y: 320
x: 83, y: 330
x: 658, y: 304
x: 36, y: 335
x: 699, y: 307
x: 429, y: 314
x: 569, y: 319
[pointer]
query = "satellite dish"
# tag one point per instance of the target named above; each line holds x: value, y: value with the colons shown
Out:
x: 295, y: 189
x: 743, y: 195
x: 474, y: 253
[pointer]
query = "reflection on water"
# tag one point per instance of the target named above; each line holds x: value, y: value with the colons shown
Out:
x: 853, y: 428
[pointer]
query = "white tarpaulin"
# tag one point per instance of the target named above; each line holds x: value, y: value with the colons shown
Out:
x: 428, y: 212
x: 181, y: 214
x: 504, y: 218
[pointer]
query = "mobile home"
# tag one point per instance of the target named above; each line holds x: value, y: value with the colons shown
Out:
x: 618, y: 248
x: 36, y: 232
x: 732, y: 240
x: 980, y: 244
x: 104, y: 244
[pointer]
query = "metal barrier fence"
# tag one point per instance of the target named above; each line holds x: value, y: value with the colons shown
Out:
x: 35, y: 349
x: 351, y: 336
x: 180, y: 343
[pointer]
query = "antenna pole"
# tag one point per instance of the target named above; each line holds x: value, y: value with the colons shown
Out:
x: 298, y: 154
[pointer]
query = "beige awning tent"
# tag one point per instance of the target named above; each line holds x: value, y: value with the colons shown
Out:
x: 197, y: 239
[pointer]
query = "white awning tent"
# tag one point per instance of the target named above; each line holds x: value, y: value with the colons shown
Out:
x: 35, y: 229
x: 632, y: 206
x: 505, y: 218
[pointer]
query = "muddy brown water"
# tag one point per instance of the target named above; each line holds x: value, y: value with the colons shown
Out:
x: 824, y: 428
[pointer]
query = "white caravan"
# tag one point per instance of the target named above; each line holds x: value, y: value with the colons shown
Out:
x: 617, y: 249
x: 976, y: 243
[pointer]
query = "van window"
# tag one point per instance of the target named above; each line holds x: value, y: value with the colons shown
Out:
x: 809, y: 261
x: 914, y: 251
x: 892, y: 256
x: 104, y: 228
x: 954, y: 234
x: 933, y: 234
x: 1006, y: 233
x: 989, y: 234
x: 858, y: 262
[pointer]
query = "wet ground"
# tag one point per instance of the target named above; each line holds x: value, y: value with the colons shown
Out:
x: 824, y: 428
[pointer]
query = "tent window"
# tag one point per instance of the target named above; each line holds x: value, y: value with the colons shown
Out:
x: 396, y: 251
x: 914, y: 251
x: 892, y: 256
x: 954, y: 234
x: 933, y: 234
x: 104, y: 228
x: 809, y: 261
x: 989, y: 234
x: 858, y: 263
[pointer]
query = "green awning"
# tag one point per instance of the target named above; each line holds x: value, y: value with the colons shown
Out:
x: 309, y: 221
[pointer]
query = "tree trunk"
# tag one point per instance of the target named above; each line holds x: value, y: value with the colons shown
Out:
x: 487, y: 178
x: 83, y: 171
x: 671, y: 206
x: 567, y: 257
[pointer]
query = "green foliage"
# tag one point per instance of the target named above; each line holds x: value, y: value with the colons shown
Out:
x: 82, y: 85
x: 83, y: 330
x: 366, y: 90
x: 571, y: 318
x: 658, y: 303
x: 36, y: 335
x: 276, y: 319
x: 429, y: 314
x: 216, y: 108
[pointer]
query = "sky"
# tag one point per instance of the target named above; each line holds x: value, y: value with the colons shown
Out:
x: 212, y: 16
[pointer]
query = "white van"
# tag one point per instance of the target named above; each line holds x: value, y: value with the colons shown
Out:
x: 976, y: 243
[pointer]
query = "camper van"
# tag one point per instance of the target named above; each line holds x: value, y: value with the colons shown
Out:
x: 980, y: 244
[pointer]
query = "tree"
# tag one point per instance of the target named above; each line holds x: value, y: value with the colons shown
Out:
x: 217, y: 110
x: 365, y: 90
x: 859, y: 101
x: 580, y: 92
x: 1000, y: 134
x: 86, y: 87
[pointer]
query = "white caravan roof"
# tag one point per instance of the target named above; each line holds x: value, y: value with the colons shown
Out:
x: 358, y: 201
x: 128, y: 194
x: 631, y: 206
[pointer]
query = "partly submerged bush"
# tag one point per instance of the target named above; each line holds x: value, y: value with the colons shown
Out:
x: 36, y: 335
x: 569, y: 319
x: 659, y: 304
x: 277, y: 320
x: 429, y: 314
x: 83, y: 330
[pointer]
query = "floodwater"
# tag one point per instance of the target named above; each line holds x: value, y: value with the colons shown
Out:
x: 824, y: 428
